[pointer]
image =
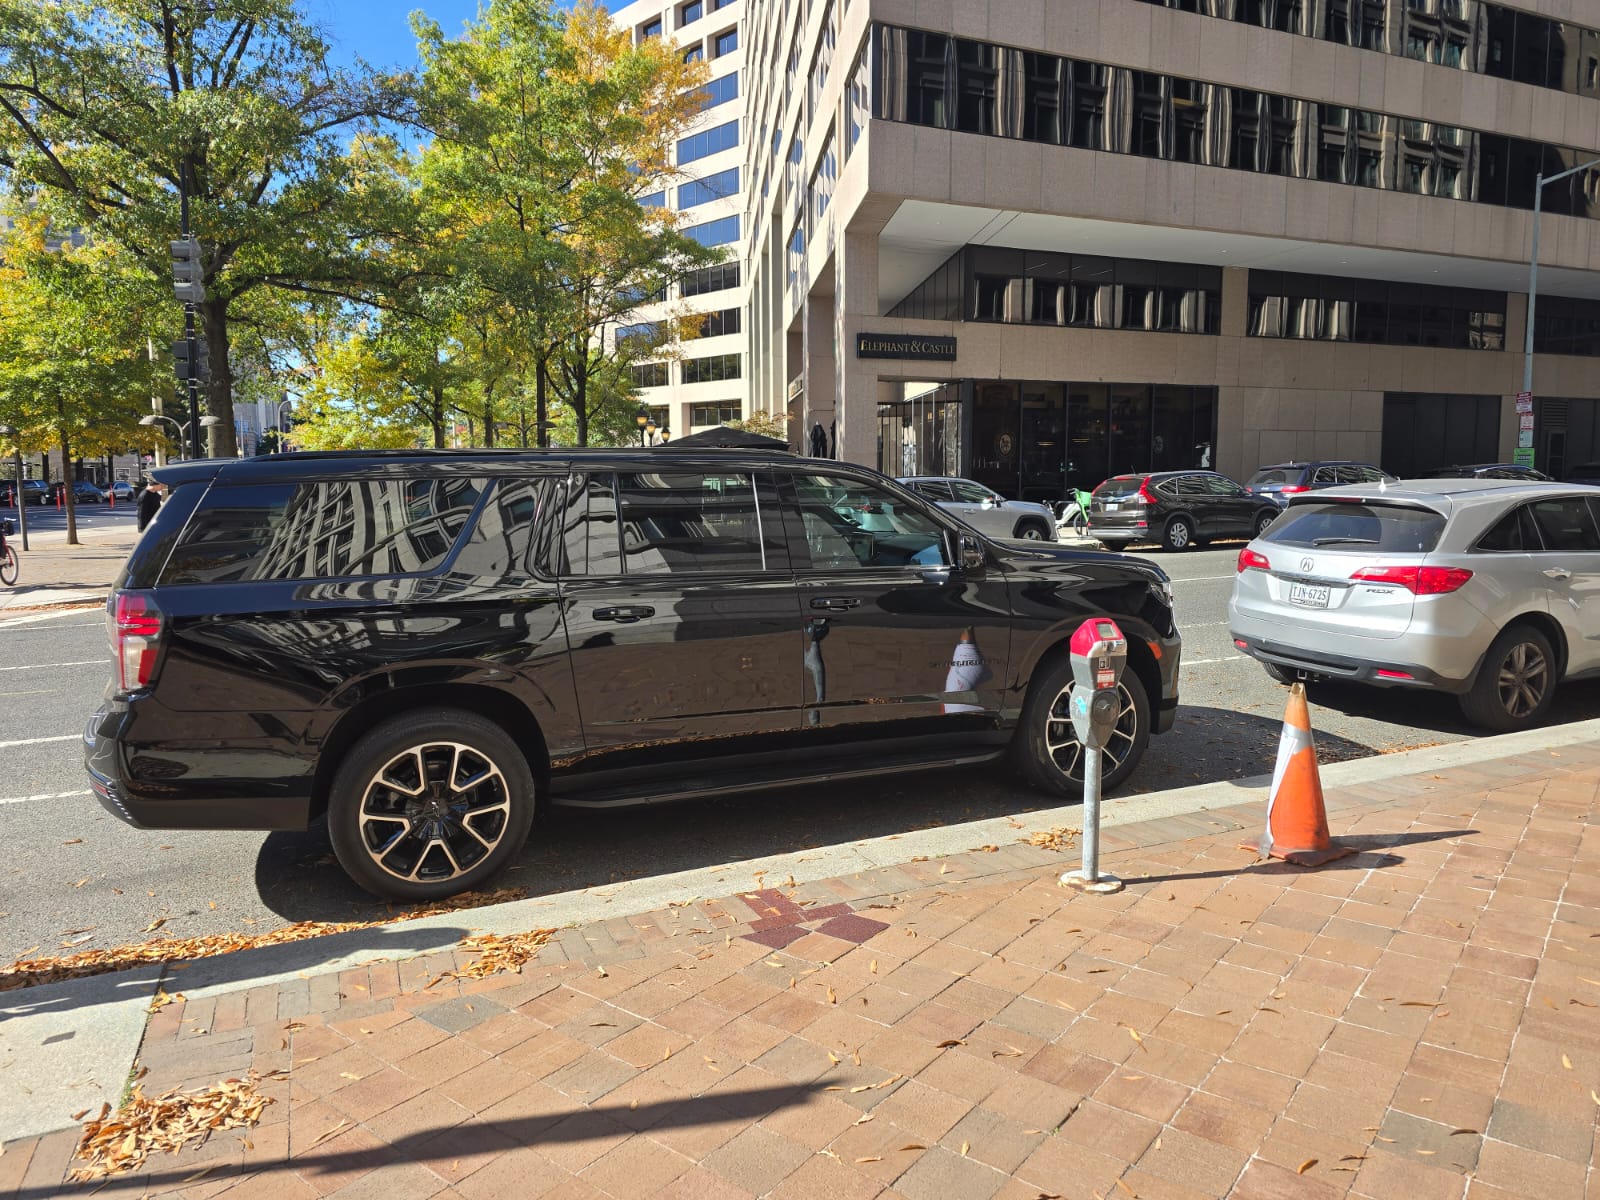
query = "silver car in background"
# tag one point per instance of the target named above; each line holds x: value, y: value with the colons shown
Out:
x: 985, y: 509
x: 1486, y: 589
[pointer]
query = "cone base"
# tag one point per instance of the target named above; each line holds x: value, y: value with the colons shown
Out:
x: 1301, y: 858
x: 1102, y: 885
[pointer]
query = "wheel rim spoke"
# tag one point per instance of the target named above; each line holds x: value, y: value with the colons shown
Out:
x: 442, y: 825
x: 1066, y: 752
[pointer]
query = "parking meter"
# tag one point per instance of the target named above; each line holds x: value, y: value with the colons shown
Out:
x: 1098, y: 652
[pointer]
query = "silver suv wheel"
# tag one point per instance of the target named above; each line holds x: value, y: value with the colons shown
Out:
x: 433, y: 812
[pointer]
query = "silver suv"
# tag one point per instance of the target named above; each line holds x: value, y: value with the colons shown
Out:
x: 1483, y: 588
x: 986, y: 510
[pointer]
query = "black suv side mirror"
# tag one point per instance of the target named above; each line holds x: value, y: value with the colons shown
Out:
x: 965, y: 552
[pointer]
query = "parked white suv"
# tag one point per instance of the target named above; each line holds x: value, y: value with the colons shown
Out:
x: 1483, y: 588
x: 985, y: 509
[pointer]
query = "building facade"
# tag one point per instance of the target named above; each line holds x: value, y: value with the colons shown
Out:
x: 1040, y: 243
x: 701, y: 382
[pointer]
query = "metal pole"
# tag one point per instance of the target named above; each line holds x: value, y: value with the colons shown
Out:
x: 22, y: 501
x: 1533, y: 289
x: 1091, y: 815
x: 188, y: 313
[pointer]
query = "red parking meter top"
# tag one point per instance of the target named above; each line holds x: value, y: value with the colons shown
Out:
x: 1093, y: 632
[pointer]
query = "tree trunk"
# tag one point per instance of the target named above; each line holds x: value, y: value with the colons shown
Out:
x: 541, y: 403
x: 66, y: 474
x: 580, y: 390
x: 217, y: 401
x: 488, y: 417
x: 436, y: 418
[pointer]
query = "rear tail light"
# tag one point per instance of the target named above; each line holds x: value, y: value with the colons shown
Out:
x: 134, y: 624
x: 1145, y: 494
x: 1249, y: 560
x: 1294, y: 489
x: 1386, y: 673
x: 1420, y: 581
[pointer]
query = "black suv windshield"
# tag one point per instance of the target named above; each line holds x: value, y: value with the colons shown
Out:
x: 1391, y: 528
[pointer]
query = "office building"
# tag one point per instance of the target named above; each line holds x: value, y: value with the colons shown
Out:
x: 701, y: 382
x: 1039, y: 242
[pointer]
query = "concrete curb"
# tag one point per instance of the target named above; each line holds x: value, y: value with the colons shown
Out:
x: 68, y: 1045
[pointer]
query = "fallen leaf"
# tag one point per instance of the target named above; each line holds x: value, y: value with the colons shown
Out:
x: 82, y: 881
x: 948, y: 1042
x: 1418, y: 1004
x: 832, y: 996
x: 965, y: 1146
x: 834, y: 1058
x: 863, y: 1118
x: 213, y: 905
x: 1454, y: 1132
x: 600, y: 973
x: 1127, y: 1189
x: 73, y: 842
x: 1134, y: 1034
x: 1305, y: 1166
x: 913, y: 1146
x: 155, y: 925
x: 1008, y: 1052
x: 871, y: 1158
x: 873, y: 966
x: 1566, y: 1062
x: 855, y: 1056
x: 1427, y: 1153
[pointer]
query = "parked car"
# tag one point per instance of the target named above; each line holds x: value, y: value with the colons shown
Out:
x: 426, y: 647
x: 83, y: 492
x: 122, y: 490
x: 34, y: 491
x: 1481, y: 588
x: 1588, y: 473
x: 985, y: 509
x: 1282, y: 480
x: 1179, y: 509
x: 1490, y: 471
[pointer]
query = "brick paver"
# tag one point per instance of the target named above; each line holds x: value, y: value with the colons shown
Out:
x: 1417, y: 1020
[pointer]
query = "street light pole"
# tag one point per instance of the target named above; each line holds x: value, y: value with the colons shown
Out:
x: 1533, y: 268
x: 11, y: 431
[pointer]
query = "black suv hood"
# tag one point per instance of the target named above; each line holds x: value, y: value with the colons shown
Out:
x: 1054, y: 559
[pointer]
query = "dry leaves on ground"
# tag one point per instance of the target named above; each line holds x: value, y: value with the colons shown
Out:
x: 1059, y: 838
x: 115, y: 1142
x: 498, y: 953
x: 26, y: 972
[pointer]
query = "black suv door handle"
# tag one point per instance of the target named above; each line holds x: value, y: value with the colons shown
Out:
x: 835, y: 603
x: 624, y: 613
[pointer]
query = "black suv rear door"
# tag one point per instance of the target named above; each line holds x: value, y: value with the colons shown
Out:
x: 681, y: 616
x: 1231, y: 509
x: 897, y: 645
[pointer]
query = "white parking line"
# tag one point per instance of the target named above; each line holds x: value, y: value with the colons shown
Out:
x: 1202, y: 662
x: 43, y: 796
x: 1202, y: 578
x: 87, y: 662
x: 65, y: 737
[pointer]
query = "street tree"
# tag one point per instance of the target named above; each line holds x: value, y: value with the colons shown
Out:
x: 110, y: 108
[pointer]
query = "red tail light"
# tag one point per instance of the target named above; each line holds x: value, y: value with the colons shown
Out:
x: 134, y: 623
x: 1420, y: 581
x: 1249, y: 560
x: 1294, y: 489
x: 1146, y: 494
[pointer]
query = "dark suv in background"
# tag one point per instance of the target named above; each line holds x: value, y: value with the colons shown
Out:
x: 427, y: 646
x: 1179, y: 509
x: 1282, y: 480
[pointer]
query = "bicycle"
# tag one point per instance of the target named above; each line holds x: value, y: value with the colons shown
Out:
x: 8, y: 556
x: 1072, y: 516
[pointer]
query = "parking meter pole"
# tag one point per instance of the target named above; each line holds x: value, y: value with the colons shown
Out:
x: 1098, y: 653
x: 22, y: 501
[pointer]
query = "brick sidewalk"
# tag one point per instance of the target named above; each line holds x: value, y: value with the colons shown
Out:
x: 1416, y: 1021
x: 53, y: 572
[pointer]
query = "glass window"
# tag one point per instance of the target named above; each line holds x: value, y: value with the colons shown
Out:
x: 707, y: 142
x: 708, y: 370
x: 718, y: 412
x: 589, y: 527
x: 650, y: 29
x: 499, y: 542
x: 1566, y: 523
x: 723, y: 321
x: 334, y: 530
x: 689, y: 522
x: 934, y: 489
x: 1385, y: 527
x: 1513, y: 533
x: 650, y: 374
x: 711, y: 279
x: 726, y: 43
x: 690, y: 13
x: 719, y: 232
x: 721, y: 89
x: 712, y: 187
x: 970, y: 493
x: 850, y: 524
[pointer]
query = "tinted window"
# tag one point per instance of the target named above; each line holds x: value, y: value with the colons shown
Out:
x: 498, y: 543
x: 970, y: 493
x: 1566, y: 524
x: 1513, y: 533
x: 933, y: 489
x: 331, y: 530
x: 847, y: 523
x: 680, y: 522
x: 1384, y: 527
x: 1220, y: 485
x: 589, y: 528
x: 1111, y: 489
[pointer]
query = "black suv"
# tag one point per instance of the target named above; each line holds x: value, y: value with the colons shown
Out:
x: 1179, y: 509
x: 1282, y: 480
x: 428, y: 646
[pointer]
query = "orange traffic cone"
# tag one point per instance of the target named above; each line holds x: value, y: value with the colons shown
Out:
x: 1297, y: 822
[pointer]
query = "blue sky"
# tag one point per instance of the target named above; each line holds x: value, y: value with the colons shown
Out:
x: 380, y: 30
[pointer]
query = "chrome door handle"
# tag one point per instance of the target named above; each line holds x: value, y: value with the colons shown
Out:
x: 1558, y: 573
x: 624, y: 613
x: 835, y: 603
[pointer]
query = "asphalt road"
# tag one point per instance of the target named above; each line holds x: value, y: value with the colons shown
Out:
x: 49, y: 524
x: 70, y: 871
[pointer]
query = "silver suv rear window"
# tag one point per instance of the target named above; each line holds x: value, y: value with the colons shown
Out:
x: 1386, y: 528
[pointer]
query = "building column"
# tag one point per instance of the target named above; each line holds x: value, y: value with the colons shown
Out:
x: 855, y: 285
x: 816, y: 351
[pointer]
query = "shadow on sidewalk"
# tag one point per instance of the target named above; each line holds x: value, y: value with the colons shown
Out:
x: 579, y: 1124
x: 1370, y: 854
x: 138, y: 980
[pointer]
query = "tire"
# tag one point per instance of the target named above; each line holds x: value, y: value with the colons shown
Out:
x: 1079, y: 524
x: 1515, y: 682
x: 1047, y: 753
x: 1264, y: 518
x: 1178, y: 535
x: 1032, y: 531
x: 8, y: 567
x: 1278, y: 674
x: 434, y: 848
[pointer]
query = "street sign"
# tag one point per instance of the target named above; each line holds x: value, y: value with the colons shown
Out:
x: 1524, y: 403
x: 1525, y: 439
x: 1525, y: 421
x: 1523, y: 456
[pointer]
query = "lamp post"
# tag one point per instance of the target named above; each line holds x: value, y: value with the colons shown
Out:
x: 642, y: 419
x: 206, y: 422
x: 1533, y: 269
x: 11, y: 431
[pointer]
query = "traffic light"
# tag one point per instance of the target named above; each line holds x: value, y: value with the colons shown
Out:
x: 199, y: 367
x: 188, y: 272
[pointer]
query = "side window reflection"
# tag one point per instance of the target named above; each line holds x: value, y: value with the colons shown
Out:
x: 848, y: 524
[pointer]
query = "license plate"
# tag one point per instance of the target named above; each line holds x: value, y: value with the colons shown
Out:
x: 1309, y: 595
x: 1109, y: 505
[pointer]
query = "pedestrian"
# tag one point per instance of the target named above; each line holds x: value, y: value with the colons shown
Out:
x: 149, y: 501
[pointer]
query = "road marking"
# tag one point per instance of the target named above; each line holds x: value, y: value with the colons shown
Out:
x: 87, y: 662
x: 1202, y: 662
x: 43, y: 796
x: 35, y: 618
x: 1201, y: 579
x: 65, y: 737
